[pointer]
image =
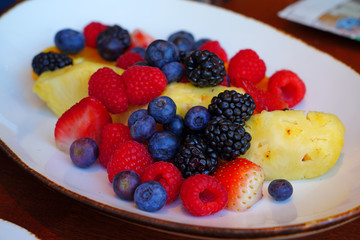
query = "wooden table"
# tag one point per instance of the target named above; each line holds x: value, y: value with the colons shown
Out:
x: 47, y: 213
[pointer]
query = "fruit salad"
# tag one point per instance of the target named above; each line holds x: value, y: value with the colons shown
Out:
x: 181, y: 119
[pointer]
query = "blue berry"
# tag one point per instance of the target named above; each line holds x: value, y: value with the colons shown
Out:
x: 280, y: 189
x: 161, y: 52
x: 69, y: 41
x: 150, y: 196
x: 173, y: 71
x: 136, y: 115
x: 176, y: 126
x: 84, y: 152
x: 348, y: 23
x: 125, y: 183
x: 197, y: 118
x: 163, y: 146
x: 200, y: 42
x: 183, y: 40
x: 139, y: 50
x: 143, y: 128
x: 163, y: 109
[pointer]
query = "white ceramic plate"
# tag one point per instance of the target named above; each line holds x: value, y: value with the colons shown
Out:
x: 11, y: 231
x: 27, y: 125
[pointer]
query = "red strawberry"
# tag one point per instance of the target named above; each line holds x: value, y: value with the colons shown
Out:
x: 131, y: 155
x: 112, y: 136
x: 243, y: 181
x: 107, y: 86
x: 202, y: 195
x: 263, y: 100
x: 287, y: 85
x: 168, y: 175
x: 143, y: 83
x: 215, y: 47
x: 86, y: 118
x: 128, y: 59
x: 91, y: 32
x: 246, y: 64
x: 139, y: 38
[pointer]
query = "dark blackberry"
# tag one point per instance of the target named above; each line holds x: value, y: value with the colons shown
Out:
x: 228, y: 139
x: 113, y: 42
x: 204, y: 69
x: 195, y: 156
x: 50, y: 61
x: 232, y: 105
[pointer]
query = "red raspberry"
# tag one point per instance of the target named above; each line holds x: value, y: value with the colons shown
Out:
x: 287, y: 85
x: 128, y: 59
x: 143, y: 83
x: 112, y: 136
x: 263, y: 100
x: 91, y: 32
x: 203, y: 195
x: 215, y: 47
x: 246, y: 64
x: 131, y: 155
x: 168, y: 175
x: 108, y: 87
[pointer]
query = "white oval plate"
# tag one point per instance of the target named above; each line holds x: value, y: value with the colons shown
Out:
x: 11, y: 231
x: 27, y: 125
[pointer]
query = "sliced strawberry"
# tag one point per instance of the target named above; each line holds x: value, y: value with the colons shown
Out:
x: 84, y: 119
x: 139, y: 38
x: 243, y: 180
x: 263, y: 100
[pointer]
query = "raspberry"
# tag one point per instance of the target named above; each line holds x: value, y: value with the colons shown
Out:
x: 143, y: 83
x: 91, y: 32
x: 246, y: 64
x: 168, y: 175
x: 131, y: 155
x: 203, y: 195
x: 128, y: 59
x: 112, y: 136
x: 263, y: 100
x: 108, y: 87
x: 215, y: 47
x: 287, y: 85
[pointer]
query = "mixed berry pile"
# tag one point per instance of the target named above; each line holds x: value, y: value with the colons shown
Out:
x: 160, y: 155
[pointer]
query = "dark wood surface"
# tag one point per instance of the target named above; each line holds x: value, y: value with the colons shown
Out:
x: 26, y: 201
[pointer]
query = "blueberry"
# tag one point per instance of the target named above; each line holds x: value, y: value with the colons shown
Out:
x: 139, y: 50
x: 197, y: 118
x: 176, y: 126
x: 183, y: 40
x: 125, y: 183
x: 280, y: 189
x: 84, y: 152
x: 163, y: 145
x: 163, y: 109
x: 150, y: 196
x: 136, y: 115
x: 69, y: 41
x: 200, y: 42
x: 143, y: 128
x: 161, y: 52
x: 173, y: 71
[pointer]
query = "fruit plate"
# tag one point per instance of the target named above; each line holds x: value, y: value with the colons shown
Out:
x: 27, y: 125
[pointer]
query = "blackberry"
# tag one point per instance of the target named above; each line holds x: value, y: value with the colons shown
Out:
x: 50, y: 61
x: 232, y: 105
x: 228, y: 139
x: 204, y: 68
x: 195, y: 156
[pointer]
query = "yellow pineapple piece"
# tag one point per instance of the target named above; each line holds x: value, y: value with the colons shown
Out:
x: 62, y: 88
x: 294, y: 145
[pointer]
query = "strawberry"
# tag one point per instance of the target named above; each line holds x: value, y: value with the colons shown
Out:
x: 243, y: 181
x: 263, y: 100
x: 215, y: 47
x: 246, y: 64
x: 86, y: 118
x: 139, y: 38
x: 128, y: 59
x: 287, y: 85
x: 112, y: 136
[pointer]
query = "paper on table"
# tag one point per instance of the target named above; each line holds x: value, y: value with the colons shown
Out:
x: 341, y: 17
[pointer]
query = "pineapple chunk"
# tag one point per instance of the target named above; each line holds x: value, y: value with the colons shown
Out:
x: 62, y: 88
x: 294, y: 145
